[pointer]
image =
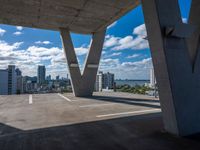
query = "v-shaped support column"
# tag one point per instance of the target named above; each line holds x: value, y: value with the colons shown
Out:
x: 83, y: 84
x: 178, y: 80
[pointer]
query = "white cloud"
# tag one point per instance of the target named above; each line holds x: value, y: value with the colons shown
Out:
x: 44, y: 53
x: 133, y: 56
x: 19, y: 28
x: 143, y: 63
x: 140, y: 31
x: 134, y: 42
x: 185, y: 20
x: 4, y: 46
x: 112, y: 55
x: 2, y: 32
x: 109, y: 63
x: 28, y: 59
x: 43, y: 42
x: 111, y: 41
x: 112, y: 25
x: 127, y: 70
x: 17, y: 33
x: 116, y: 54
x: 81, y: 50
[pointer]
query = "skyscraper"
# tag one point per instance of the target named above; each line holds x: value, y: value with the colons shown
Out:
x: 41, y: 75
x: 152, y: 78
x: 98, y: 84
x: 4, y: 82
x: 12, y: 80
x: 19, y: 81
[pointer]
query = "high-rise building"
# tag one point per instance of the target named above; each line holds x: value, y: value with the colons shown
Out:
x: 152, y: 78
x: 19, y: 81
x: 48, y: 78
x: 18, y: 72
x: 58, y: 77
x: 98, y: 84
x: 41, y: 75
x: 4, y: 82
x: 12, y: 80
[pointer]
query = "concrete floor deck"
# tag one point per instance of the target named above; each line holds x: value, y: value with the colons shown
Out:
x: 106, y: 121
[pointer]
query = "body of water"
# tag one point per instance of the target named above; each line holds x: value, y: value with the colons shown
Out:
x: 131, y: 82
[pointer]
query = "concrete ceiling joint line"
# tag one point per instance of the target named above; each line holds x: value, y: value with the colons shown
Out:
x: 78, y: 12
x: 39, y: 11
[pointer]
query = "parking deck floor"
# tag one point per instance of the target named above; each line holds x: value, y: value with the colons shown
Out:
x: 105, y: 121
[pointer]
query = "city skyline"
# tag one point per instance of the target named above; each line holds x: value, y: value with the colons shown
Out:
x: 126, y: 52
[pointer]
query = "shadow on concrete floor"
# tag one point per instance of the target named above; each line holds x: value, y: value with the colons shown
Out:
x: 142, y: 132
x: 129, y: 101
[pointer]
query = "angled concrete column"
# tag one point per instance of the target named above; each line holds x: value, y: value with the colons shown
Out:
x: 193, y: 42
x: 178, y: 82
x: 83, y: 84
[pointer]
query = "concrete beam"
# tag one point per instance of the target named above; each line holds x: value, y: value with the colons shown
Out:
x: 83, y: 84
x: 178, y: 85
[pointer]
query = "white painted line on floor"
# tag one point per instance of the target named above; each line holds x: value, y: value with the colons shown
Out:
x: 96, y: 105
x: 30, y: 99
x: 64, y: 97
x: 75, y: 100
x: 129, y: 112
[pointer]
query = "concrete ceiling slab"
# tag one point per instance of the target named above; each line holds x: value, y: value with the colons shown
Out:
x: 80, y: 16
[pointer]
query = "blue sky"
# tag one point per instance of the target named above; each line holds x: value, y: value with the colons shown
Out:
x: 125, y: 52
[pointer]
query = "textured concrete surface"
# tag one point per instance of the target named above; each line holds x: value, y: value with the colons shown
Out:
x: 83, y: 83
x: 49, y: 110
x: 65, y: 122
x: 82, y: 16
x: 177, y: 76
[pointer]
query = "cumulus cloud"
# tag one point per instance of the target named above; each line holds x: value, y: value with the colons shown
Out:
x: 19, y: 28
x: 81, y: 50
x: 127, y: 70
x: 140, y: 31
x: 145, y: 63
x: 26, y: 59
x: 2, y: 32
x: 4, y: 46
x: 44, y: 53
x: 108, y: 63
x: 134, y: 42
x: 133, y: 56
x: 111, y: 41
x: 17, y: 33
x: 116, y: 54
x: 29, y: 58
x: 43, y: 42
x: 113, y: 55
